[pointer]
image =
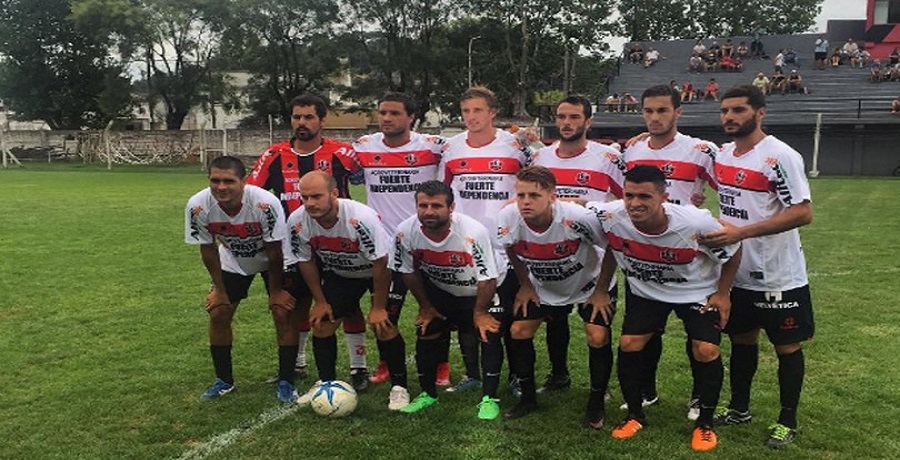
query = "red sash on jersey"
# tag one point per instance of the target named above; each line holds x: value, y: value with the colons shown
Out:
x: 747, y: 179
x: 408, y: 159
x: 483, y: 165
x: 651, y: 253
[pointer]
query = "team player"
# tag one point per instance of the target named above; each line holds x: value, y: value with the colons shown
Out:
x: 763, y: 197
x: 342, y: 249
x: 241, y: 232
x: 585, y: 171
x: 447, y: 260
x: 688, y: 165
x: 395, y: 161
x: 655, y: 243
x: 480, y: 165
x: 553, y: 247
x: 279, y: 169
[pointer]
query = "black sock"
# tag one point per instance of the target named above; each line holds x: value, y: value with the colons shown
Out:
x: 600, y: 365
x: 325, y: 351
x: 523, y: 354
x: 395, y: 355
x: 558, y: 345
x: 427, y: 355
x: 791, y: 368
x: 631, y: 365
x: 710, y: 377
x: 653, y: 352
x: 287, y: 356
x: 695, y: 388
x: 510, y: 360
x: 444, y: 352
x: 491, y: 363
x: 382, y: 354
x: 221, y: 358
x: 744, y: 360
x: 468, y: 346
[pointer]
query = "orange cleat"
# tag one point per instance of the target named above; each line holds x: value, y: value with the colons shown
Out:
x: 704, y: 438
x: 627, y: 429
x: 381, y: 373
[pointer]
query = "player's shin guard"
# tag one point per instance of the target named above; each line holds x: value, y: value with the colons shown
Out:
x: 709, y: 384
x: 286, y: 357
x: 600, y: 365
x: 632, y: 369
x: 791, y: 369
x: 653, y: 352
x: 491, y: 362
x: 427, y: 354
x: 558, y: 345
x: 325, y: 350
x: 744, y: 361
x: 395, y: 354
x: 689, y: 349
x: 468, y: 346
x: 523, y: 354
x: 510, y: 360
x: 221, y: 358
x: 444, y: 339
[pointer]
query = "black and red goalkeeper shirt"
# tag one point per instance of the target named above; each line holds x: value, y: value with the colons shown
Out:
x: 280, y: 168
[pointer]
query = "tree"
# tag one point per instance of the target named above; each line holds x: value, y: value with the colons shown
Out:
x: 52, y: 70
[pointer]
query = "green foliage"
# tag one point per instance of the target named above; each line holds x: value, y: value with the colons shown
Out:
x: 52, y: 70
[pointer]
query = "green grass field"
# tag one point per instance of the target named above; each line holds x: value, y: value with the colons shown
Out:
x: 104, y: 354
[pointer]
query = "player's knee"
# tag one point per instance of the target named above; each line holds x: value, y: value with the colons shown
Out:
x: 632, y: 343
x: 221, y: 316
x: 597, y: 336
x: 787, y: 349
x: 521, y: 330
x: 324, y: 329
x: 746, y: 338
x: 705, y: 352
x: 387, y: 333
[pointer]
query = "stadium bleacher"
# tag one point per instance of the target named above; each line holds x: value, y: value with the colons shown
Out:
x: 842, y: 95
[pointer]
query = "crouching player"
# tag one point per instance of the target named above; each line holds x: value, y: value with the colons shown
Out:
x: 656, y: 245
x: 553, y: 247
x: 342, y: 250
x: 447, y: 261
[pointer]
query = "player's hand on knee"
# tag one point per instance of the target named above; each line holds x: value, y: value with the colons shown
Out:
x: 216, y: 299
x: 380, y: 321
x: 282, y: 299
x: 485, y: 323
x: 600, y: 304
x: 722, y: 304
x: 527, y: 294
x: 426, y: 316
x: 320, y: 312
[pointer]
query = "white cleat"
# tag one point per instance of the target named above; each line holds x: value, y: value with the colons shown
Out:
x: 399, y: 398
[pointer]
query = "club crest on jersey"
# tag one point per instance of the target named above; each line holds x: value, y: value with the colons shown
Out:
x: 345, y: 244
x: 263, y: 206
x: 297, y: 227
x: 668, y: 169
x: 377, y: 159
x: 323, y: 165
x: 411, y: 159
x: 583, y: 177
x: 196, y: 210
x: 457, y: 260
x: 561, y: 249
x: 739, y: 177
x: 668, y: 255
x: 503, y: 231
x: 495, y: 165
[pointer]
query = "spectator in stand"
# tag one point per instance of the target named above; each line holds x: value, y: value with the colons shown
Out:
x: 730, y: 64
x: 687, y: 91
x: 778, y: 82
x: 742, y: 51
x: 710, y: 61
x: 674, y: 85
x: 695, y: 64
x: 612, y: 103
x: 790, y: 57
x: 895, y: 56
x: 756, y: 45
x: 779, y: 61
x: 651, y: 57
x: 762, y: 82
x: 727, y: 49
x: 629, y: 103
x: 795, y: 83
x: 712, y: 90
x: 895, y: 72
x: 821, y: 52
x: 895, y: 106
x: 875, y: 71
x: 636, y: 54
x: 699, y: 47
x: 862, y: 59
x: 715, y: 48
x: 848, y: 51
x: 835, y: 58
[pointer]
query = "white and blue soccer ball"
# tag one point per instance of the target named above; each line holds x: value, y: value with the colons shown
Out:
x: 334, y: 399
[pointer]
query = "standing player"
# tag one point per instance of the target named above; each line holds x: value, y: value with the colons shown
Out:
x: 688, y: 164
x: 446, y: 259
x: 764, y: 198
x: 241, y: 232
x: 655, y: 244
x: 279, y: 169
x: 394, y: 161
x: 553, y: 247
x: 343, y: 252
x: 480, y: 165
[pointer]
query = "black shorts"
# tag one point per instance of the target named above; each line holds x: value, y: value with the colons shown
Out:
x: 343, y: 294
x: 645, y: 316
x: 787, y: 316
x: 584, y: 310
x: 459, y: 311
x: 237, y: 285
x: 292, y: 281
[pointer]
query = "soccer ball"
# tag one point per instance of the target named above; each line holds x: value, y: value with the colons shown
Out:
x: 334, y: 399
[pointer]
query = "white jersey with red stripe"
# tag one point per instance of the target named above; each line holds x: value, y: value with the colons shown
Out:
x: 564, y: 260
x: 242, y: 237
x: 392, y: 173
x: 595, y: 174
x: 456, y: 263
x: 349, y: 247
x: 754, y: 187
x: 688, y: 162
x: 483, y: 178
x: 669, y: 267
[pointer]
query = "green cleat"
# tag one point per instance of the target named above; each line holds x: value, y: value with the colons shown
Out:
x: 422, y: 401
x: 488, y: 408
x: 780, y: 436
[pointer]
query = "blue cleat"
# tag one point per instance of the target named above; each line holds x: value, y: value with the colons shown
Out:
x: 218, y: 389
x: 286, y: 392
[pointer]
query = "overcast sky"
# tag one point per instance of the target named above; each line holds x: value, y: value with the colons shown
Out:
x: 840, y: 9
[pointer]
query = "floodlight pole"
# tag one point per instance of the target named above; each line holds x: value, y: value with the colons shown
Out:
x: 816, y: 138
x: 471, y: 40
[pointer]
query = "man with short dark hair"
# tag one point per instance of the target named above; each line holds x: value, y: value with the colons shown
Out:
x: 764, y: 198
x: 241, y: 231
x: 654, y: 243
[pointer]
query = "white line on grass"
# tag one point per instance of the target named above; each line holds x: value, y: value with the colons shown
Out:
x: 221, y: 441
x: 854, y: 272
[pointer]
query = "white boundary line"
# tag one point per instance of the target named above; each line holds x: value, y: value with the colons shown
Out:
x: 854, y: 272
x: 221, y: 441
